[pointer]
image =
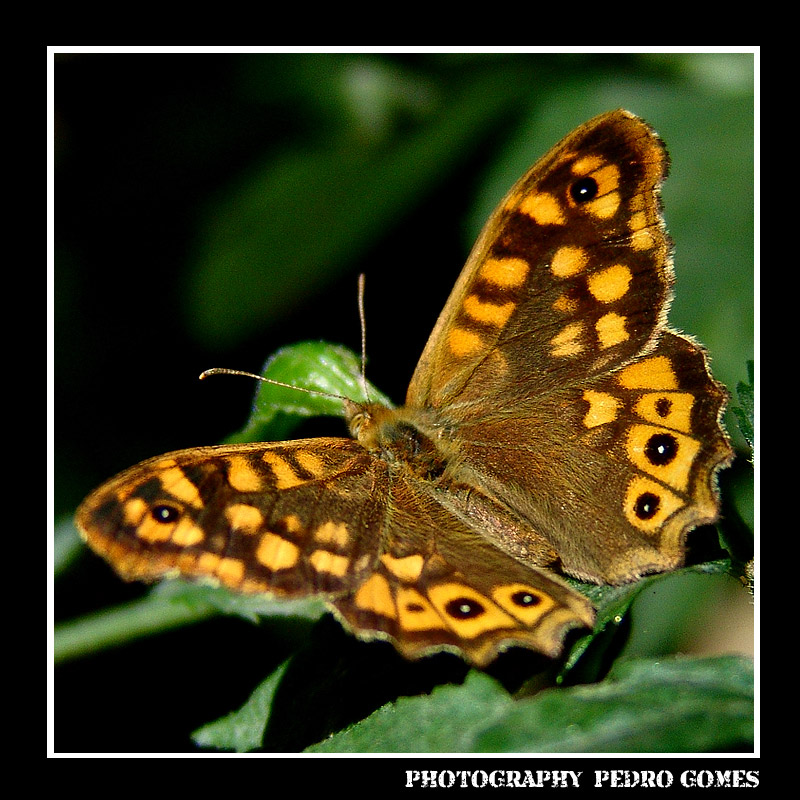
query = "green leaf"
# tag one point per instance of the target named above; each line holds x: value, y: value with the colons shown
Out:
x: 251, y: 607
x: 444, y: 721
x: 323, y: 373
x: 675, y: 705
x: 590, y: 656
x: 745, y: 411
x: 243, y: 730
x: 671, y: 705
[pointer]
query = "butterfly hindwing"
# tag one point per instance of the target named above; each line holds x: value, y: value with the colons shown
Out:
x: 433, y: 597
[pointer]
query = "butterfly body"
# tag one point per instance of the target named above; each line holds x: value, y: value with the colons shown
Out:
x: 554, y: 424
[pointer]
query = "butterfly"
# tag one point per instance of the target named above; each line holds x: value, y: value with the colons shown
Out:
x: 554, y: 425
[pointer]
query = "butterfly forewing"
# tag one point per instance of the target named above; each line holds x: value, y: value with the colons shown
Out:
x: 292, y: 518
x: 570, y: 276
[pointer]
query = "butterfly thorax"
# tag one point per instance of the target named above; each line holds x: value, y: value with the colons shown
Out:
x: 400, y: 436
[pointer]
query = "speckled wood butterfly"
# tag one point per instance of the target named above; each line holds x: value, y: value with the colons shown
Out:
x: 553, y: 424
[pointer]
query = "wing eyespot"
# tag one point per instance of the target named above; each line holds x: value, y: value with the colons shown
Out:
x: 583, y: 190
x: 165, y: 514
x: 464, y: 608
x: 525, y: 599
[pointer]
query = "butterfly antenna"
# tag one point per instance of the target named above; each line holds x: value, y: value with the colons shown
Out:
x: 225, y: 371
x: 363, y: 317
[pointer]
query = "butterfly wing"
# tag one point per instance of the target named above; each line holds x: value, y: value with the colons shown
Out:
x: 613, y: 472
x: 551, y: 358
x: 569, y: 277
x: 323, y: 517
x: 440, y: 584
x: 290, y: 518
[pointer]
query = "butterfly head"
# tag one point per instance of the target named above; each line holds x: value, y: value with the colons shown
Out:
x: 364, y: 421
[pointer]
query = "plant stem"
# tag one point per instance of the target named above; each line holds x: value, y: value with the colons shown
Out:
x: 123, y: 623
